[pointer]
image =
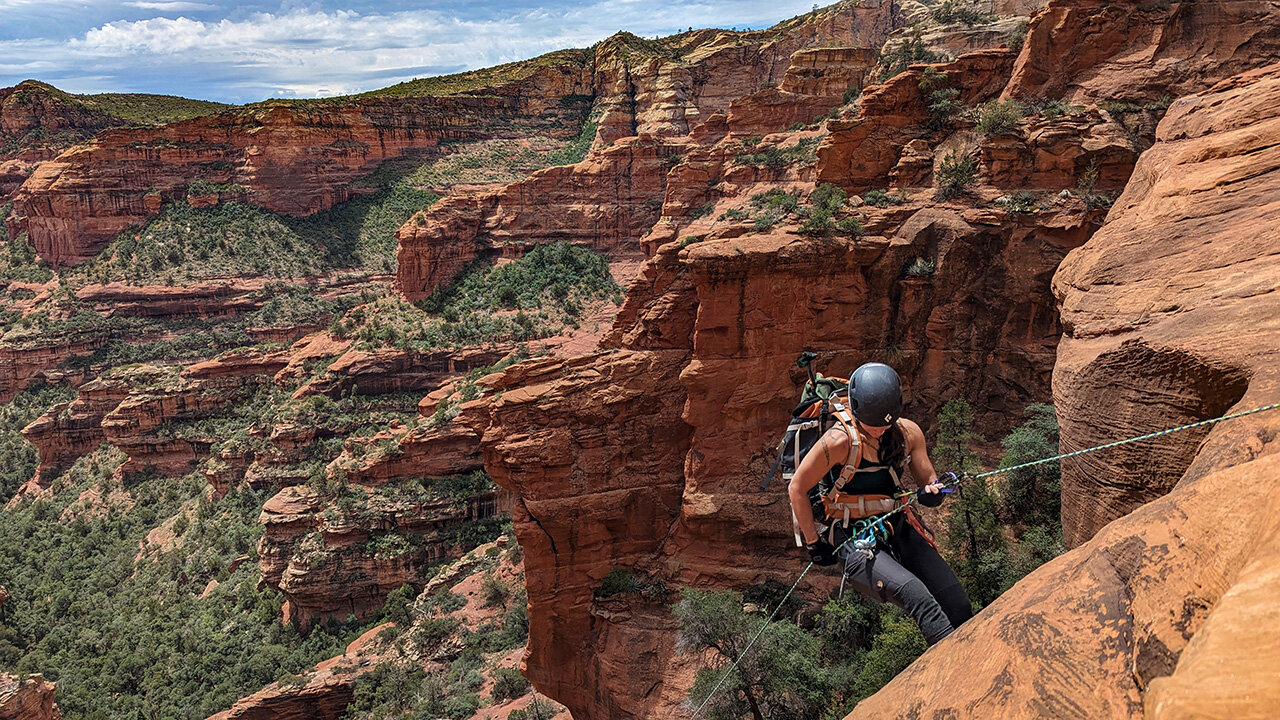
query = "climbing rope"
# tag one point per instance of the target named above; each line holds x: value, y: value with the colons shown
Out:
x: 866, y: 530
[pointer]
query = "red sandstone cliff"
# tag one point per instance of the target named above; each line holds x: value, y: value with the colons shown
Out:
x: 27, y: 699
x: 1170, y: 316
x: 636, y: 457
x: 294, y: 158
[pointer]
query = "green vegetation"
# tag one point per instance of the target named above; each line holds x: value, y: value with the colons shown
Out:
x: 577, y: 148
x: 401, y: 691
x: 819, y: 669
x: 476, y: 82
x: 1022, y: 505
x: 184, y: 244
x: 919, y: 267
x: 1120, y: 107
x: 1020, y: 202
x: 1017, y: 37
x: 125, y: 638
x: 538, y: 709
x: 18, y: 459
x: 826, y: 201
x: 952, y: 11
x: 149, y: 109
x: 734, y: 214
x: 772, y: 207
x: 1087, y: 184
x: 484, y: 161
x: 508, y: 684
x: 129, y: 108
x: 999, y: 117
x: 955, y: 174
x: 534, y: 296
x: 621, y: 581
x: 943, y: 101
x: 908, y: 53
x: 804, y: 152
x: 883, y: 198
x: 18, y: 262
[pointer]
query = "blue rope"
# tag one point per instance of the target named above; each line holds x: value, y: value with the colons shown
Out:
x: 875, y: 524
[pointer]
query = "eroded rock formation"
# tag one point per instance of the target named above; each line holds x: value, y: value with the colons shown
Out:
x: 27, y: 699
x: 1165, y: 609
x: 288, y: 157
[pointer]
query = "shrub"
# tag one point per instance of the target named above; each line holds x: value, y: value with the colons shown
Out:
x: 493, y: 591
x: 776, y: 199
x: 538, y: 709
x: 851, y: 226
x: 702, y: 211
x: 910, y: 52
x: 1020, y: 202
x: 882, y: 199
x: 999, y: 117
x: 951, y: 11
x: 508, y: 684
x: 955, y: 174
x: 1017, y: 37
x: 828, y: 197
x: 943, y: 101
x: 920, y: 267
x: 577, y: 148
x: 734, y: 214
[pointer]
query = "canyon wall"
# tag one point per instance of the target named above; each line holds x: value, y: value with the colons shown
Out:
x: 290, y: 157
x: 974, y: 328
x: 1164, y: 610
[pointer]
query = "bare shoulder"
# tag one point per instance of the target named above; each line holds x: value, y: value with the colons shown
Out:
x: 912, y: 432
x: 836, y: 439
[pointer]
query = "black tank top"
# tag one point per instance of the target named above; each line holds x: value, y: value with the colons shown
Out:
x: 868, y: 482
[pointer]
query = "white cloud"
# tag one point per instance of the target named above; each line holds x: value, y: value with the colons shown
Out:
x: 306, y: 51
x: 173, y: 6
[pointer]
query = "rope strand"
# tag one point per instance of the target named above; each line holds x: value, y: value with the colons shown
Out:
x: 868, y: 530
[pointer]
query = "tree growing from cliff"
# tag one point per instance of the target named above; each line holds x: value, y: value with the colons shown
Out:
x: 779, y: 677
x: 975, y: 544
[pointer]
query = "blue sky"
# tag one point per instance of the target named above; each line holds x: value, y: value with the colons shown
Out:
x: 247, y: 51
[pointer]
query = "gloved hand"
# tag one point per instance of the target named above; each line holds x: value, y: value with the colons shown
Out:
x: 821, y: 552
x: 928, y: 499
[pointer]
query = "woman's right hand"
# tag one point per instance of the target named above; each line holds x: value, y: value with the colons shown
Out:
x: 821, y: 552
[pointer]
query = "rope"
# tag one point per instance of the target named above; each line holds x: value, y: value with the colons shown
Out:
x: 868, y: 530
x: 735, y: 664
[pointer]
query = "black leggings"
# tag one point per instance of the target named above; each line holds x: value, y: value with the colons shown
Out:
x: 905, y: 570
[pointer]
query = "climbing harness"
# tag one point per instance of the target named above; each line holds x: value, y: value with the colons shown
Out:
x: 869, y: 531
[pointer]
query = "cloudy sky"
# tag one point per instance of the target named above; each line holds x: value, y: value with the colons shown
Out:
x: 246, y: 51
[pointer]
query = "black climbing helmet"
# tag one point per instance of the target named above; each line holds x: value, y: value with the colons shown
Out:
x: 875, y: 394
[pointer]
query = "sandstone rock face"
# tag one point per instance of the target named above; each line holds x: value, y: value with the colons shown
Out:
x: 331, y: 563
x: 29, y: 699
x: 605, y: 203
x: 661, y: 484
x: 1173, y: 294
x: 1170, y: 315
x: 71, y: 430
x: 860, y: 152
x: 22, y: 364
x: 293, y: 158
x: 1091, y: 51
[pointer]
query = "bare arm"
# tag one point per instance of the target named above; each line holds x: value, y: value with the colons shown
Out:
x: 921, y: 466
x: 831, y: 448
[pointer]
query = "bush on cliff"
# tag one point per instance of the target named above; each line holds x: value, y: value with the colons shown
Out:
x: 819, y: 669
x: 955, y: 174
x: 1022, y: 505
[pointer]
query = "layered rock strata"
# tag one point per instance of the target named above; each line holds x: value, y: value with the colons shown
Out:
x: 1164, y: 609
x: 30, y: 698
x: 294, y: 158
